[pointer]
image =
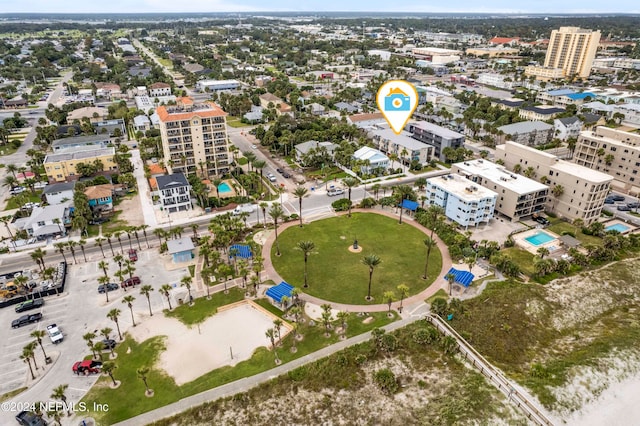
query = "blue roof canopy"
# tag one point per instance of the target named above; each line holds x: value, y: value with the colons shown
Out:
x: 409, y: 205
x: 462, y: 277
x: 279, y: 291
x: 243, y: 251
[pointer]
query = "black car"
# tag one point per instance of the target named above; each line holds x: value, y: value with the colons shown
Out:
x: 107, y: 287
x: 30, y: 304
x: 280, y: 171
x: 609, y: 200
x: 26, y: 319
x: 27, y: 418
x: 286, y: 175
x: 98, y: 221
x: 542, y: 220
x: 633, y: 205
x: 624, y: 208
x: 616, y: 197
x: 109, y: 343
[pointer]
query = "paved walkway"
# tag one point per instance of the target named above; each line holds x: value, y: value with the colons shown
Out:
x: 247, y: 383
x: 413, y: 300
x: 143, y: 189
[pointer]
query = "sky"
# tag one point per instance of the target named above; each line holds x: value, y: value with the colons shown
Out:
x: 460, y: 6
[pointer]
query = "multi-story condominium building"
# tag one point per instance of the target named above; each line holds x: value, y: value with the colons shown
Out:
x: 403, y: 145
x: 577, y: 192
x: 174, y: 192
x: 518, y: 196
x: 612, y: 151
x: 463, y: 201
x: 544, y: 73
x: 159, y: 89
x: 540, y: 112
x: 79, y: 142
x: 532, y: 133
x: 572, y: 49
x: 61, y: 165
x: 439, y: 137
x: 194, y: 138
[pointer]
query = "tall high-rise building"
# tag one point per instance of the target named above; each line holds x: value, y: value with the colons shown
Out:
x: 194, y: 138
x: 572, y: 49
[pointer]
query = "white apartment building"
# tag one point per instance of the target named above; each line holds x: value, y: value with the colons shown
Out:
x: 403, y: 145
x: 194, y: 138
x: 518, y: 196
x: 463, y: 201
x: 575, y: 191
x: 611, y: 151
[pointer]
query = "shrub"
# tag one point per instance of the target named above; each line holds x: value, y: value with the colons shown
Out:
x: 386, y: 381
x: 425, y: 335
x: 439, y: 306
x: 367, y: 202
x: 341, y: 205
x: 509, y: 242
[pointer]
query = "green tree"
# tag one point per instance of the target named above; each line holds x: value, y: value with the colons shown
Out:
x: 165, y: 289
x: 350, y: 182
x: 186, y: 281
x: 59, y: 392
x: 306, y: 247
x: 128, y: 300
x: 300, y: 192
x: 404, y: 292
x: 143, y: 373
x: 371, y: 261
x: 38, y: 335
x: 145, y: 290
x: 451, y: 278
x: 429, y: 243
x: 113, y: 316
x: 389, y: 297
x: 108, y: 368
x: 276, y: 213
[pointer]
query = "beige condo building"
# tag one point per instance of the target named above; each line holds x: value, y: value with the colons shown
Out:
x: 612, y: 151
x: 583, y: 190
x: 572, y: 49
x: 194, y: 138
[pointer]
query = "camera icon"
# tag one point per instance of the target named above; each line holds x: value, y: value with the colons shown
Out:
x: 397, y: 100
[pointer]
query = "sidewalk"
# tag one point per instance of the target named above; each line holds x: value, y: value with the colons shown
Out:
x: 420, y: 297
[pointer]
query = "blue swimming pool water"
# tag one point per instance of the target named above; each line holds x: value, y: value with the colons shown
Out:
x: 539, y: 238
x: 224, y: 187
x: 617, y: 227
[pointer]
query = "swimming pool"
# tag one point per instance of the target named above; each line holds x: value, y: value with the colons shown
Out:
x: 617, y: 227
x: 539, y: 238
x: 224, y: 187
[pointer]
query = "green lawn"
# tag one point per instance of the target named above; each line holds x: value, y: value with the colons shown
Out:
x: 166, y: 62
x: 522, y: 258
x: 235, y: 122
x: 559, y: 226
x: 128, y: 400
x: 336, y: 274
x: 204, y: 308
x: 16, y: 201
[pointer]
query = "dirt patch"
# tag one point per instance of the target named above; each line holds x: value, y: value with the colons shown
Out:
x: 131, y: 211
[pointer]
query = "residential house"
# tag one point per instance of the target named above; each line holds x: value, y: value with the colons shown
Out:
x: 302, y: 150
x: 530, y: 133
x: 255, y: 115
x: 343, y: 106
x: 437, y: 136
x: 100, y: 198
x: 79, y: 142
x: 159, y: 89
x: 281, y: 107
x: 109, y: 127
x: 371, y: 160
x: 58, y: 193
x: 94, y: 114
x: 463, y: 201
x: 567, y: 127
x: 174, y: 192
x: 540, y: 112
x: 366, y: 120
x: 48, y: 221
x: 141, y: 123
x: 108, y: 90
x: 316, y: 108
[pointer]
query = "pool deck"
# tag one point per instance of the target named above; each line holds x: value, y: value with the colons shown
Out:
x: 614, y: 222
x: 520, y: 240
x: 226, y: 194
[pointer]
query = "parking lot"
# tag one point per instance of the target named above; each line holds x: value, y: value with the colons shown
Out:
x: 78, y: 310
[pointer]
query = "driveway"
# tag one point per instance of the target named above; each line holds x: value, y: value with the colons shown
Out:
x: 143, y: 189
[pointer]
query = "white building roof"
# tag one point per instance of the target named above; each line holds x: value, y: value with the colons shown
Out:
x: 501, y: 176
x: 462, y: 187
x: 403, y: 139
x: 525, y: 127
x: 371, y: 154
x: 180, y: 245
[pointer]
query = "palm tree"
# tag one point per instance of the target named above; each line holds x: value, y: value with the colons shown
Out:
x: 307, y: 247
x: 81, y: 243
x: 542, y: 252
x: 263, y: 206
x: 403, y: 192
x: 113, y: 316
x: 99, y: 241
x: 165, y: 289
x: 118, y: 235
x: 557, y: 192
x: 108, y: 236
x: 300, y: 192
x: 404, y: 292
x: 108, y: 367
x: 104, y: 280
x: 158, y: 232
x: 38, y: 335
x: 277, y: 325
x: 371, y: 261
x: 142, y: 373
x: 389, y: 297
x: 26, y: 358
x: 60, y: 393
x: 143, y: 228
x: 186, y: 282
x: 38, y: 256
x: 451, y: 278
x: 276, y: 213
x: 71, y: 245
x: 350, y: 183
x: 145, y: 290
x: 60, y: 247
x: 128, y: 300
x: 429, y: 243
x: 271, y: 335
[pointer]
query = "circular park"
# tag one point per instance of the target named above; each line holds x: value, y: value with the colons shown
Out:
x: 342, y: 255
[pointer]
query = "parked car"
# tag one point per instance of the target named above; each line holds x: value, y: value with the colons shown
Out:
x: 26, y: 319
x: 616, y: 197
x: 98, y: 221
x: 133, y: 255
x: 286, y: 175
x: 29, y: 304
x: 279, y: 170
x: 27, y: 418
x: 17, y: 190
x: 102, y: 288
x: 624, y: 208
x: 633, y: 205
x: 541, y: 220
x: 109, y: 343
x: 609, y: 200
x: 335, y: 191
x: 86, y: 367
x: 271, y: 177
x: 55, y: 334
x: 130, y: 282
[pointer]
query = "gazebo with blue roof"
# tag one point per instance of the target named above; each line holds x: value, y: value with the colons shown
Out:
x: 277, y: 292
x: 461, y: 277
